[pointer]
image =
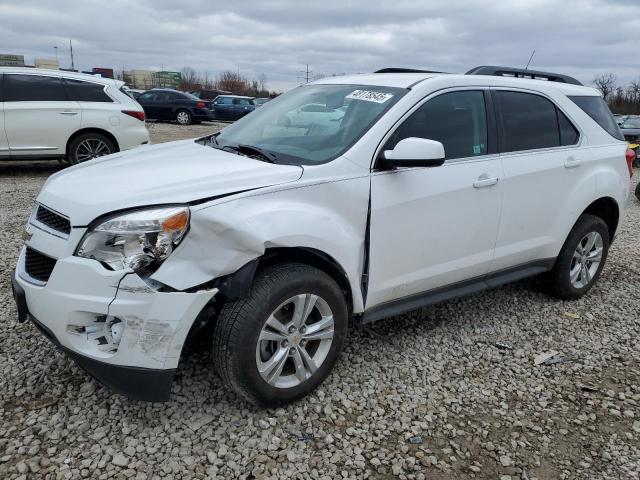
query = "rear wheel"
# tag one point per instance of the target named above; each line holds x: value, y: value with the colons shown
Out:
x: 183, y: 117
x: 89, y: 146
x: 281, y: 341
x: 581, y: 259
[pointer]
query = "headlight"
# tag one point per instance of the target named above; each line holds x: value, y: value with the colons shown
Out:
x: 140, y: 240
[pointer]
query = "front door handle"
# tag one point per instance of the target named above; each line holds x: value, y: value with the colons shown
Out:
x: 571, y: 162
x: 66, y: 112
x: 484, y: 181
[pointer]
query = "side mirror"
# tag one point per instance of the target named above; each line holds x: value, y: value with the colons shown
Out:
x: 414, y: 152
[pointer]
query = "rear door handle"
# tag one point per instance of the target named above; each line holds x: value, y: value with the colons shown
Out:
x: 484, y: 181
x: 66, y: 112
x: 571, y: 162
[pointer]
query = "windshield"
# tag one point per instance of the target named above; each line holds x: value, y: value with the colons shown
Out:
x: 312, y: 124
x: 631, y: 123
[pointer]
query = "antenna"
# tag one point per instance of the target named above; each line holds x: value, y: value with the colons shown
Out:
x: 530, y: 58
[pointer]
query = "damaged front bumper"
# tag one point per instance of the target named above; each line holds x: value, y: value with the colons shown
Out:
x: 112, y: 324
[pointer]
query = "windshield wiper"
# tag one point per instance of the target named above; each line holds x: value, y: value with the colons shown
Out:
x: 266, y: 154
x: 243, y: 148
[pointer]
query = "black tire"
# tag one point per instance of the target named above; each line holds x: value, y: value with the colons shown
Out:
x: 558, y: 280
x: 240, y: 322
x: 184, y: 117
x: 638, y: 191
x: 78, y: 147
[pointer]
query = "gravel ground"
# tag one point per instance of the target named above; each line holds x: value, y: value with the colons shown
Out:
x: 448, y: 392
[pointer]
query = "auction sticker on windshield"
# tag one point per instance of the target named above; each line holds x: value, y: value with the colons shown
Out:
x: 369, y: 96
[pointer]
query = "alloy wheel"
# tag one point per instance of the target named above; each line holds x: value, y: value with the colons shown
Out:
x: 295, y: 340
x: 91, y: 148
x: 586, y: 260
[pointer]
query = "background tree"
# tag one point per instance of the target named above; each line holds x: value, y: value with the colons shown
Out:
x: 606, y: 83
x: 190, y: 79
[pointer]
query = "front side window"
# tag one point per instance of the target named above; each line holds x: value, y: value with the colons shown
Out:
x: 86, y: 91
x: 340, y: 115
x: 224, y: 101
x: 33, y: 88
x: 458, y: 120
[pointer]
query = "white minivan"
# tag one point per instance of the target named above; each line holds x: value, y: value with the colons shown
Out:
x: 276, y: 234
x: 53, y: 114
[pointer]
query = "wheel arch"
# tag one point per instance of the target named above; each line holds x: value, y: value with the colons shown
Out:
x: 84, y: 131
x: 608, y: 210
x: 237, y: 284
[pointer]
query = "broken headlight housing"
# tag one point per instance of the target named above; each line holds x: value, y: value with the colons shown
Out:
x: 140, y: 240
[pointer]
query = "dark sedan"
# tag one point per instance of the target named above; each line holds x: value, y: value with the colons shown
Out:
x: 232, y: 107
x: 167, y: 104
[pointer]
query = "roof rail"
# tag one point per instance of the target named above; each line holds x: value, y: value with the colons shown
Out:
x: 404, y: 70
x: 522, y: 73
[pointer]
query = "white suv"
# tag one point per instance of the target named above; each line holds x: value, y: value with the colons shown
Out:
x: 48, y: 114
x: 429, y: 186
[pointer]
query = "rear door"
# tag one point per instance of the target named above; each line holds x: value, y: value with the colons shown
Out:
x: 4, y: 144
x: 543, y: 158
x: 241, y: 106
x: 39, y: 118
x: 97, y: 107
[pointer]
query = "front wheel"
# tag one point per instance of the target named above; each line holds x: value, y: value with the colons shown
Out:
x: 581, y: 259
x: 281, y: 341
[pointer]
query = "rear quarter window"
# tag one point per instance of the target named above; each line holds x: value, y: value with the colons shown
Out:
x: 598, y: 110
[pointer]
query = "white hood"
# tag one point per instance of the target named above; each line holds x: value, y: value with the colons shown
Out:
x: 177, y: 172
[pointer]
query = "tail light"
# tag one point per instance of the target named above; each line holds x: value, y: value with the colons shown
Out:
x: 134, y: 114
x: 631, y: 156
x: 200, y: 104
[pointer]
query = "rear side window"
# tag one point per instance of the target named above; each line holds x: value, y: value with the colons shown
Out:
x: 33, y: 88
x: 528, y: 122
x: 458, y: 120
x: 598, y: 110
x: 86, y: 91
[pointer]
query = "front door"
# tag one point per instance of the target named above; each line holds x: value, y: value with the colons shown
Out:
x: 434, y: 227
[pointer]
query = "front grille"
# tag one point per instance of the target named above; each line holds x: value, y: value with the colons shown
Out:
x: 38, y: 265
x: 53, y: 220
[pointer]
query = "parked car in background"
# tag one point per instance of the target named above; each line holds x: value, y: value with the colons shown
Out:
x: 133, y: 92
x: 619, y: 118
x: 432, y: 187
x: 232, y: 107
x: 66, y: 115
x: 210, y: 94
x: 169, y: 104
x: 260, y: 101
x: 630, y: 128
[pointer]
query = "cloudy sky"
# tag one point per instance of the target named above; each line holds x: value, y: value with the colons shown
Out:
x: 278, y: 37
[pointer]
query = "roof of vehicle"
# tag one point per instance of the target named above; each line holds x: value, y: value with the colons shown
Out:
x: 408, y: 80
x: 61, y: 73
x: 236, y: 96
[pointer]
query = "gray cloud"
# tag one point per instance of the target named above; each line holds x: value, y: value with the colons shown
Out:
x: 578, y: 37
